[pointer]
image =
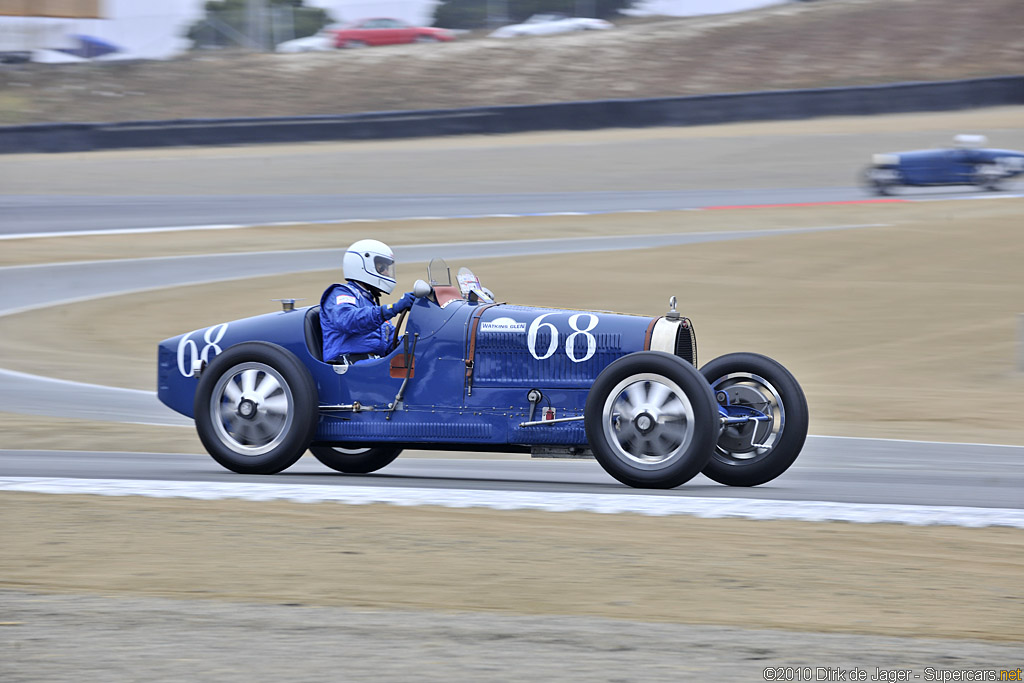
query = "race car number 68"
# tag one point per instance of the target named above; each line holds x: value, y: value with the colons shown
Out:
x: 570, y: 341
x: 188, y: 364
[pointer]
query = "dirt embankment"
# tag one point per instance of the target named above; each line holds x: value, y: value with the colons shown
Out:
x: 840, y: 42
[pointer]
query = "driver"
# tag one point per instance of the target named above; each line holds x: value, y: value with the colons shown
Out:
x: 354, y: 323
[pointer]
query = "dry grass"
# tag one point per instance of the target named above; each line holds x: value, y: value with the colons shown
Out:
x: 790, y: 46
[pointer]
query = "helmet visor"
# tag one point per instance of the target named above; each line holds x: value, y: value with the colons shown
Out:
x: 384, y: 266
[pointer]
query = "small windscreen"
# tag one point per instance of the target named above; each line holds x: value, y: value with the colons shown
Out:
x: 439, y: 273
x: 469, y: 285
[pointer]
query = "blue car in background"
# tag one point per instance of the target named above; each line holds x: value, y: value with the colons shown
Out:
x: 473, y: 374
x: 967, y: 163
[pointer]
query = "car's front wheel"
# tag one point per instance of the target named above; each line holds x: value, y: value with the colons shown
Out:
x: 755, y: 452
x: 256, y: 408
x: 651, y: 420
x: 880, y: 180
x: 988, y: 176
x: 355, y: 459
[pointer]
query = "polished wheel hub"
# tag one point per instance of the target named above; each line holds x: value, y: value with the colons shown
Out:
x: 742, y: 438
x: 754, y: 439
x: 648, y: 420
x: 252, y: 408
x: 645, y: 424
x: 247, y: 408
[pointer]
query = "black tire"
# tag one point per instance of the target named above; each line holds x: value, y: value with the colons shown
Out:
x: 354, y: 459
x: 280, y: 396
x: 750, y: 378
x: 651, y: 420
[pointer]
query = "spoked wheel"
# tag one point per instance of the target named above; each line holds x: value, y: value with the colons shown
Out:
x: 355, y: 460
x: 256, y: 408
x: 756, y: 452
x: 651, y: 420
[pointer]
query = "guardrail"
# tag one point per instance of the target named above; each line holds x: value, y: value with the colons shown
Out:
x: 667, y: 111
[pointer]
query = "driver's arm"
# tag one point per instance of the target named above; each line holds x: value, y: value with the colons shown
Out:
x: 352, y: 314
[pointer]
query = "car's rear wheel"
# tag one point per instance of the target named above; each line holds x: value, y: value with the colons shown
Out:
x: 651, y: 420
x: 754, y: 453
x: 256, y: 408
x: 354, y: 459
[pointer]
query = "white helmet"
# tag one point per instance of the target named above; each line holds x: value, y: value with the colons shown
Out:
x: 372, y: 263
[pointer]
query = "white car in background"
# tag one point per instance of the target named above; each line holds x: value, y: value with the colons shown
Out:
x: 546, y: 24
x: 321, y: 41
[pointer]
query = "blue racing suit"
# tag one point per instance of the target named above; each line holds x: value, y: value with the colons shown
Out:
x: 353, y: 322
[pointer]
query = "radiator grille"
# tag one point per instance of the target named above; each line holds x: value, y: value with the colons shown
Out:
x: 686, y: 342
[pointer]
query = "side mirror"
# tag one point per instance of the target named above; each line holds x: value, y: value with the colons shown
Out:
x: 421, y: 289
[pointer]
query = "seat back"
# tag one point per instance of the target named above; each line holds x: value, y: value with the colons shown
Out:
x: 314, y: 333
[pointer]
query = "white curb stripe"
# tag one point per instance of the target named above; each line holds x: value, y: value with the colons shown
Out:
x: 127, y: 231
x: 74, y: 383
x: 655, y: 505
x: 918, y: 441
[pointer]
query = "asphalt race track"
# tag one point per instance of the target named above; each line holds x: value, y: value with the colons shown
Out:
x: 833, y: 469
x: 69, y: 214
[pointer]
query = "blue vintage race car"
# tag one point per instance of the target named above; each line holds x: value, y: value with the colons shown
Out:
x: 967, y: 163
x: 473, y: 374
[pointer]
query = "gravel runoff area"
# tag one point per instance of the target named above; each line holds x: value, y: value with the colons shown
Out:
x: 795, y: 45
x: 158, y: 639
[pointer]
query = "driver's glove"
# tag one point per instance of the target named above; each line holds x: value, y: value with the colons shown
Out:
x: 403, y: 304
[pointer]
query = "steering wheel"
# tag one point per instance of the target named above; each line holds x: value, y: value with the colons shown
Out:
x: 398, y: 329
x: 420, y: 290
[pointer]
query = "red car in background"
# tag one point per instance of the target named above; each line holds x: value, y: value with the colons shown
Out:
x: 383, y: 31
